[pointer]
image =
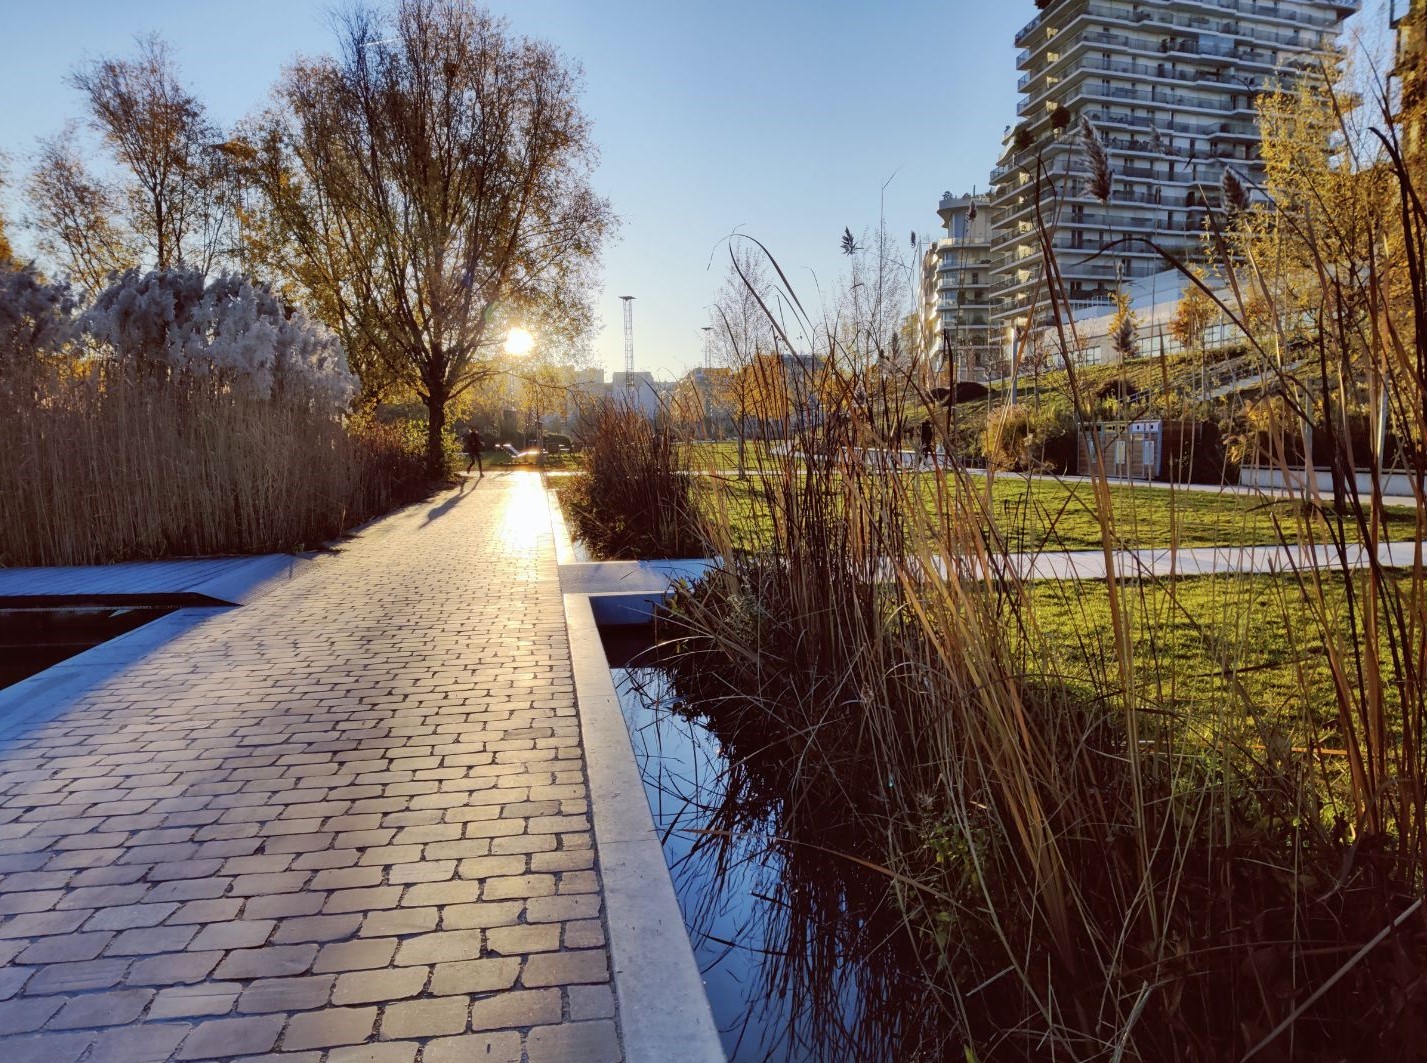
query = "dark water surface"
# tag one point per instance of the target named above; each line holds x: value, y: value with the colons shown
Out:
x: 803, y: 952
x: 32, y: 638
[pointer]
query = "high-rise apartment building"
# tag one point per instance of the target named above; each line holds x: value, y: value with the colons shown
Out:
x: 955, y: 296
x: 1169, y: 85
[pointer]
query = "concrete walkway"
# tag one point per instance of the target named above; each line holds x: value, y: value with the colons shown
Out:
x: 345, y: 822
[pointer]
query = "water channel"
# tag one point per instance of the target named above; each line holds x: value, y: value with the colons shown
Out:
x: 805, y: 954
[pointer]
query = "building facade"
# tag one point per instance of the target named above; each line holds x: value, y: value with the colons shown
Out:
x: 1169, y: 86
x: 956, y: 293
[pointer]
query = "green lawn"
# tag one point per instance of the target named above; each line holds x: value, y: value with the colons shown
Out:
x: 1036, y: 514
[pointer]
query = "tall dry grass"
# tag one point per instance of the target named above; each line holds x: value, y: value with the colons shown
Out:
x: 109, y: 465
x: 633, y: 496
x: 1097, y: 863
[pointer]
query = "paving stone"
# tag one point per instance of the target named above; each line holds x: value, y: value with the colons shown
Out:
x: 173, y: 969
x: 562, y: 909
x: 400, y: 922
x: 342, y: 878
x: 113, y: 1008
x: 389, y: 1052
x: 355, y: 955
x: 240, y: 934
x: 13, y: 979
x: 272, y: 961
x: 130, y: 916
x: 362, y: 900
x: 229, y: 1038
x: 474, y: 916
x: 440, y: 947
x: 486, y: 1047
x: 39, y: 924
x: 475, y: 976
x: 286, y: 994
x: 47, y: 1048
x: 575, y: 1042
x: 189, y: 890
x: 328, y: 1027
x: 515, y: 940
x: 584, y: 934
x: 285, y: 905
x: 318, y: 928
x: 590, y: 1001
x: 565, y: 968
x: 37, y: 901
x: 145, y: 1043
x: 203, y: 998
x: 366, y: 987
x: 504, y: 888
x: 63, y: 948
x: 430, y: 1017
x: 27, y: 1013
x: 149, y: 940
x: 77, y: 977
x: 209, y: 911
x: 531, y: 1007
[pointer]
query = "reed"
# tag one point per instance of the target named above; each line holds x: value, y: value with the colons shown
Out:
x: 107, y: 465
x: 1101, y: 857
x: 633, y: 497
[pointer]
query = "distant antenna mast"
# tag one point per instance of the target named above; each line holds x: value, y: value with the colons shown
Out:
x: 628, y: 301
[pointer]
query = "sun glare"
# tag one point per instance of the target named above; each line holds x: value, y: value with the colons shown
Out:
x: 518, y: 341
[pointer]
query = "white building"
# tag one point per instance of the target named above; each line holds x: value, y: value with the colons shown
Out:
x: 1154, y: 301
x: 1169, y: 85
x: 955, y: 293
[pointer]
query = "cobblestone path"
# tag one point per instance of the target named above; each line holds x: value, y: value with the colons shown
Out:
x: 344, y: 823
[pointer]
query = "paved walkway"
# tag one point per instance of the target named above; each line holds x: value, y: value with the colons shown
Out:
x: 346, y: 822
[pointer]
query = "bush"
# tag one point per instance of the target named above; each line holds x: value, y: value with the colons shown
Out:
x: 1008, y: 437
x: 634, y: 498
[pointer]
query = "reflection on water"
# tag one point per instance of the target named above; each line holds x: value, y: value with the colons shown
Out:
x: 804, y: 952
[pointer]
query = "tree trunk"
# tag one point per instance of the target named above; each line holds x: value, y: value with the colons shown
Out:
x: 435, y: 426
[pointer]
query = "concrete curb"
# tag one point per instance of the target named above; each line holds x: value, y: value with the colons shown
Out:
x: 664, y: 1010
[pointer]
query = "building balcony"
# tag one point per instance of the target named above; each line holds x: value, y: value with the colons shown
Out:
x: 1083, y: 89
x: 1275, y: 12
x: 1172, y: 46
x: 1024, y: 33
x: 1107, y: 117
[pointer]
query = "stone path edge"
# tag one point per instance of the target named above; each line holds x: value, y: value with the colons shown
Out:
x: 664, y: 1011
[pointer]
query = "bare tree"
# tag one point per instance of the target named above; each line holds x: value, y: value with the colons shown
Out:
x: 443, y: 165
x: 743, y: 331
x: 75, y: 214
x: 161, y: 134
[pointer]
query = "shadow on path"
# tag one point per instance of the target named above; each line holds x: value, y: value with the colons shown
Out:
x: 436, y: 512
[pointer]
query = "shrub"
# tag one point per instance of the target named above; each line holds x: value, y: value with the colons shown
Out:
x: 634, y: 497
x: 1010, y: 430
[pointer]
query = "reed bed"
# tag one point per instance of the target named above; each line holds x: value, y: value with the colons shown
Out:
x: 109, y: 465
x: 1102, y: 849
x: 634, y: 497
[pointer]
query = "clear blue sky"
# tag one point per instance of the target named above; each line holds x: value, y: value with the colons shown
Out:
x: 781, y: 118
